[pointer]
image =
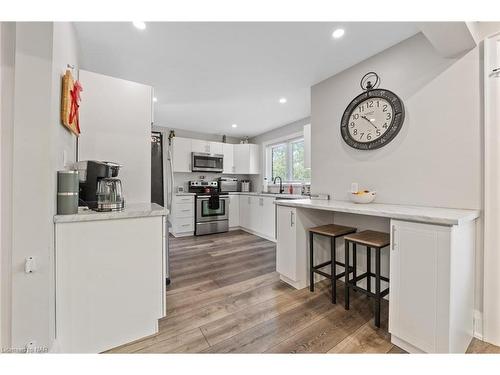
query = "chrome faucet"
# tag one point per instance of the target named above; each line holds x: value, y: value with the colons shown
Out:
x: 281, y: 184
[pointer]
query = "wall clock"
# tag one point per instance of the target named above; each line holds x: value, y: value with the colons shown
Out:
x: 373, y: 118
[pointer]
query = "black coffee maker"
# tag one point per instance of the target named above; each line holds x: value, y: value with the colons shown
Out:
x: 90, y: 173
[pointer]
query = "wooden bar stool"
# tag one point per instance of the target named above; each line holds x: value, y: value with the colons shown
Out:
x: 372, y: 240
x: 333, y: 231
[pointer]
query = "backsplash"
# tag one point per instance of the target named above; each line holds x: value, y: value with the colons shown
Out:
x: 182, y: 179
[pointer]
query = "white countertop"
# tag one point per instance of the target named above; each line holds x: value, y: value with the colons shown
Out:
x: 277, y: 195
x: 131, y: 210
x: 433, y: 215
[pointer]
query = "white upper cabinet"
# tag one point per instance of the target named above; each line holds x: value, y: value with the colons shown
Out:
x: 228, y: 152
x: 199, y: 145
x: 307, y: 146
x: 216, y: 148
x: 247, y: 158
x: 181, y: 154
x: 238, y: 159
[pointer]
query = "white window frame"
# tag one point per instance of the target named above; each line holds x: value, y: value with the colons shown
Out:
x: 288, y: 140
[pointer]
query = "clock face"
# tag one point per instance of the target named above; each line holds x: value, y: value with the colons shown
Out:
x: 372, y: 119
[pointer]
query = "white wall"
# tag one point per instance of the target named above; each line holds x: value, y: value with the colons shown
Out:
x: 33, y: 175
x: 115, y: 121
x: 65, y: 51
x: 41, y: 52
x: 7, y: 50
x: 436, y: 160
x: 492, y: 192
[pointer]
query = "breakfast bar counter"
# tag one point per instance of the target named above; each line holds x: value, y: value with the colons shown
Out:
x: 429, y: 264
x: 431, y: 215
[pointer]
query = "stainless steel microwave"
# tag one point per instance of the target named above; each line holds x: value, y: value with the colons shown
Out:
x: 203, y: 162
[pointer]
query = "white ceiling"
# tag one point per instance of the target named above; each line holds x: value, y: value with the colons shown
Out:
x: 208, y: 76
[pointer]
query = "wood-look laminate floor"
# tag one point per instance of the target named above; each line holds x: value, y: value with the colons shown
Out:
x: 225, y: 297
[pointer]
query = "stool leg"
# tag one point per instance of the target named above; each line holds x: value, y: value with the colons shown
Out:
x: 377, y: 287
x: 333, y: 269
x: 368, y: 268
x: 311, y: 262
x: 354, y: 263
x: 346, y: 280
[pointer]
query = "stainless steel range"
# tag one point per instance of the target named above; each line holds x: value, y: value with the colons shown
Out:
x: 211, y: 208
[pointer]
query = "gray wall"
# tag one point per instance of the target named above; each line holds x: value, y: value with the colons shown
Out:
x: 436, y: 160
x: 293, y: 127
x: 197, y: 135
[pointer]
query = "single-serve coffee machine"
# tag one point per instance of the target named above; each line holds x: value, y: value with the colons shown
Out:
x: 100, y: 190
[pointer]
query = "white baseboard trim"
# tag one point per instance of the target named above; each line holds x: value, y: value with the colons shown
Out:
x: 254, y: 233
x: 405, y: 345
x: 185, y: 234
x: 478, y: 325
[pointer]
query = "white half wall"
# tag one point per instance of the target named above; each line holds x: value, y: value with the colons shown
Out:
x: 41, y: 52
x: 7, y: 51
x: 436, y: 159
x: 491, y: 316
x: 115, y: 121
x: 33, y: 194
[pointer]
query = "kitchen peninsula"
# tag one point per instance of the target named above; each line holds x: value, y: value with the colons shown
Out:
x: 110, y: 277
x: 431, y: 266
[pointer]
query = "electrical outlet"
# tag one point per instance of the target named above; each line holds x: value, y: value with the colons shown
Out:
x: 30, y: 347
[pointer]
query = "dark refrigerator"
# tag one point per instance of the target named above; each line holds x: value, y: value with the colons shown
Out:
x: 157, y: 187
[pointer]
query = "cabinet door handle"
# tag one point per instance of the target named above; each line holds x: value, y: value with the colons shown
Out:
x: 292, y: 221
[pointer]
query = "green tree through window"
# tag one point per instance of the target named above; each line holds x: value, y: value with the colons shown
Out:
x: 299, y: 172
x: 286, y: 160
x: 279, y: 156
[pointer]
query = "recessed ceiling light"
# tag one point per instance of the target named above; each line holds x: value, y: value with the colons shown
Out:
x: 139, y: 24
x: 282, y: 100
x: 155, y: 99
x: 338, y: 33
x: 234, y: 125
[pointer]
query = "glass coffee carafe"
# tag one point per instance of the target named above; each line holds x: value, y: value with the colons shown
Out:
x: 109, y: 195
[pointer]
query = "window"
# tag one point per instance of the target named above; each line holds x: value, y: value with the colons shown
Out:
x: 286, y: 160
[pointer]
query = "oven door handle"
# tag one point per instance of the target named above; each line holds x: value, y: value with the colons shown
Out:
x: 220, y: 197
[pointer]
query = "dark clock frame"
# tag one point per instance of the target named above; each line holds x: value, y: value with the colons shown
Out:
x: 398, y: 117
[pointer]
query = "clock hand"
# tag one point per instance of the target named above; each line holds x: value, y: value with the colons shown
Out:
x: 366, y: 118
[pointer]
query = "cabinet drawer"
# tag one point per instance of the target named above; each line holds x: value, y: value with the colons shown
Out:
x: 184, y: 225
x: 182, y: 210
x: 184, y: 199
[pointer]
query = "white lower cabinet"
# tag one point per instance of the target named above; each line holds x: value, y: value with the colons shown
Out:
x: 182, y: 215
x: 244, y: 210
x: 267, y: 219
x: 286, y: 248
x: 234, y: 211
x: 431, y: 287
x: 109, y: 282
x: 256, y: 214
